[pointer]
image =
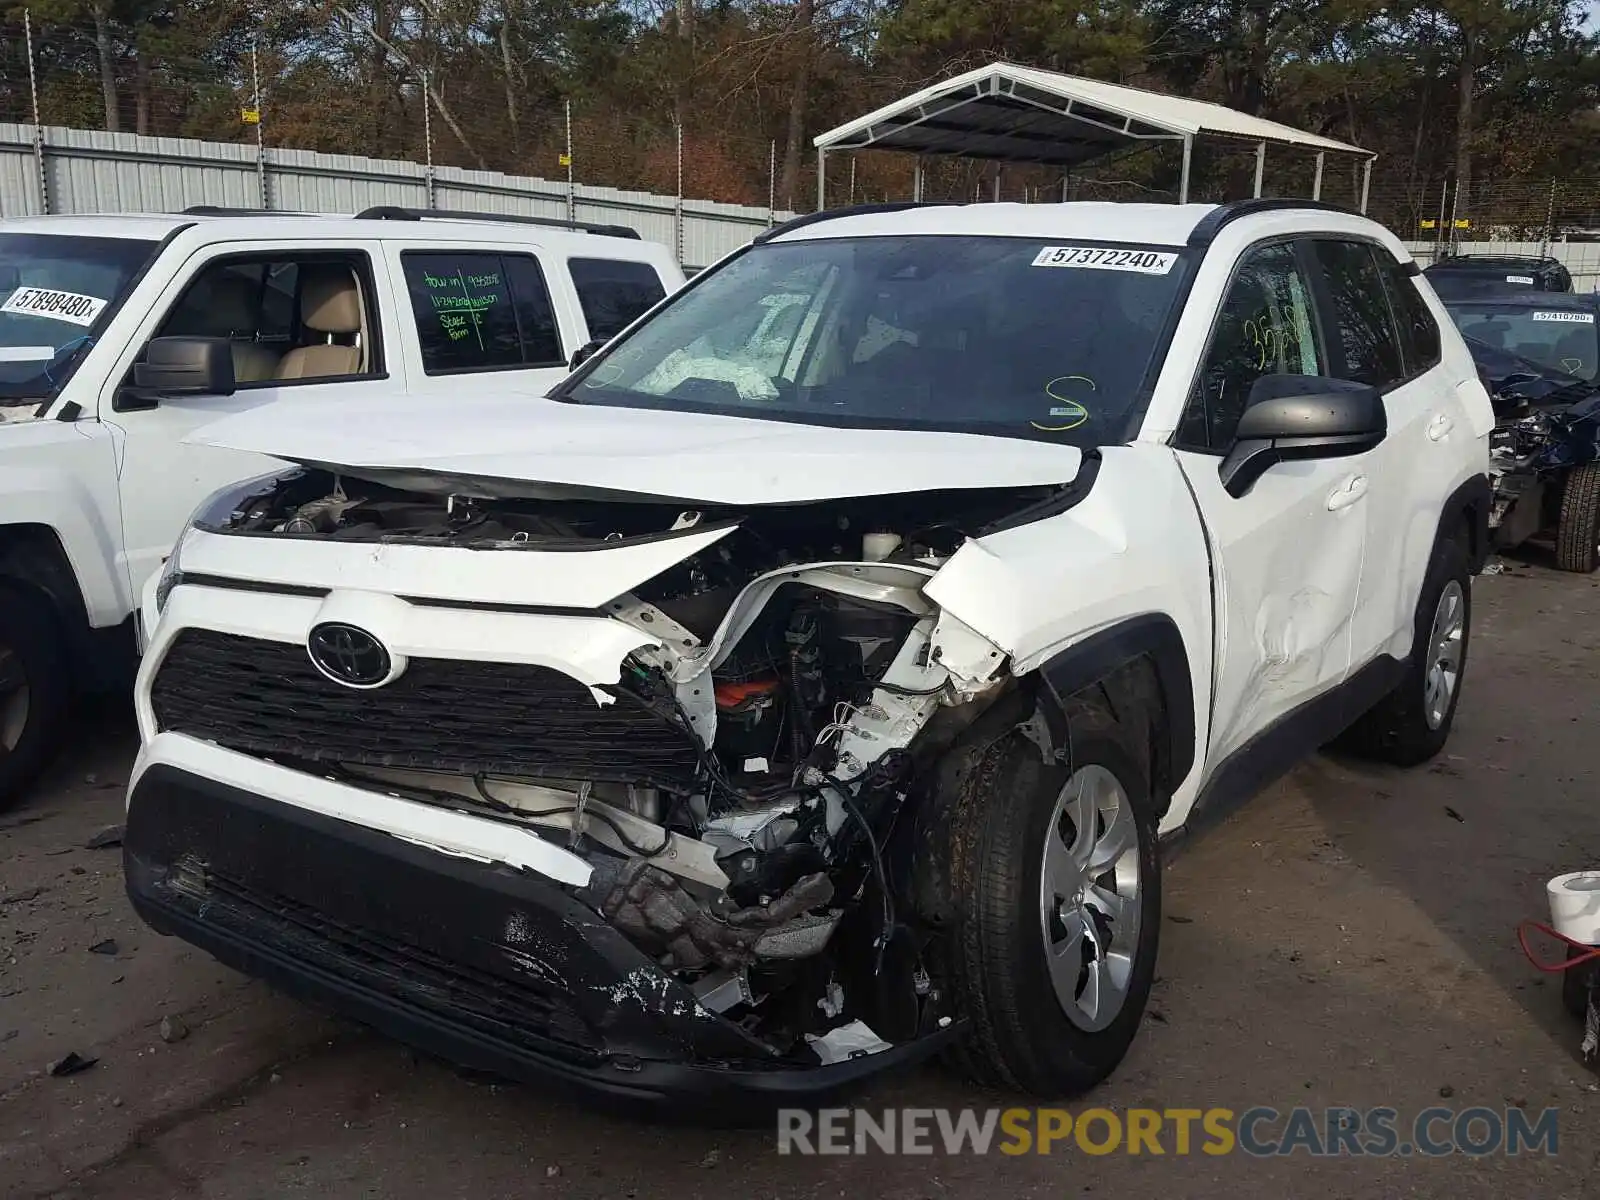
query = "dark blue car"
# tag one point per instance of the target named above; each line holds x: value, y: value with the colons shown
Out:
x: 1539, y: 355
x: 1463, y: 275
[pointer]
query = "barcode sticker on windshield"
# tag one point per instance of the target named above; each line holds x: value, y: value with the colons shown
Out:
x: 1106, y: 258
x: 1577, y: 318
x: 57, y: 306
x: 1527, y: 279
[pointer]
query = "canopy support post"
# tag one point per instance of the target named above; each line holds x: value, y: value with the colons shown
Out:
x: 997, y: 171
x: 1261, y: 166
x: 1316, y: 182
x: 1188, y: 158
x: 916, y: 181
x: 1366, y: 184
x: 822, y: 167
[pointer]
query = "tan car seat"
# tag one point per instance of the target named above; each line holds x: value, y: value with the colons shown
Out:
x: 235, y: 303
x: 226, y: 308
x: 330, y: 303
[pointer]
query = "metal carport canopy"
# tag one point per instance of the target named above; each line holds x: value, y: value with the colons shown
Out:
x: 1007, y: 113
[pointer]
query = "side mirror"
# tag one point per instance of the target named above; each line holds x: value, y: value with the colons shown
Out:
x: 1301, y: 417
x: 186, y: 366
x: 584, y: 353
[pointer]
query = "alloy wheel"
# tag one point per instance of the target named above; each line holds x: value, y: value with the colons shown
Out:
x: 1089, y: 897
x: 1444, y: 653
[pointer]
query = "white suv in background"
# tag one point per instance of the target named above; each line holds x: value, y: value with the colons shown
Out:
x: 120, y: 335
x: 809, y: 684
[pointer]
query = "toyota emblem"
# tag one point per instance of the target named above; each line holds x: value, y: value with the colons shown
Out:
x: 348, y: 655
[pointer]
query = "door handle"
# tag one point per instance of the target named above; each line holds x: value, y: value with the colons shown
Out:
x: 1347, y: 493
x: 1439, y: 426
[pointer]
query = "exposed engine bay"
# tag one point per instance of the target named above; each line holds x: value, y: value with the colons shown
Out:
x: 1540, y: 433
x: 816, y: 684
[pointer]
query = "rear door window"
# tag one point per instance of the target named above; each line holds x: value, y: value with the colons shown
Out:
x: 1419, y: 332
x: 480, y: 311
x: 613, y: 294
x: 1366, y: 342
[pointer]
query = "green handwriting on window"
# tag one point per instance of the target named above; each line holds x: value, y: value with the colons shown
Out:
x: 466, y: 303
x: 460, y: 298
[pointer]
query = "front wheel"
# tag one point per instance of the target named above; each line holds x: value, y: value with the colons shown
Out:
x: 1412, y: 723
x: 33, y: 690
x: 1578, y: 526
x: 1058, y: 890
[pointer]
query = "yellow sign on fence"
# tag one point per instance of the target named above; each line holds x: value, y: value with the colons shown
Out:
x: 565, y: 160
x: 250, y: 116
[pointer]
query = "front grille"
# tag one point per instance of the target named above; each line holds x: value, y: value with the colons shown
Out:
x: 265, y: 698
x: 527, y: 1011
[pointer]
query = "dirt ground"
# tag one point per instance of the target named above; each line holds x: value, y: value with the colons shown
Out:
x: 1345, y: 939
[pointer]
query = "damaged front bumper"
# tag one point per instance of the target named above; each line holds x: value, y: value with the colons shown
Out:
x: 495, y: 967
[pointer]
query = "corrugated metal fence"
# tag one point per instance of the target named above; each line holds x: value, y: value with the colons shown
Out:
x: 88, y: 171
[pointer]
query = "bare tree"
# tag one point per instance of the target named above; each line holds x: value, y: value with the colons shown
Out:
x: 799, y: 92
x: 108, y: 71
x: 431, y: 89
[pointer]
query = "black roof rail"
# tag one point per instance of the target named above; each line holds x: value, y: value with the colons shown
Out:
x: 850, y: 210
x: 1490, y: 259
x: 218, y: 210
x: 1206, y: 230
x: 394, y: 212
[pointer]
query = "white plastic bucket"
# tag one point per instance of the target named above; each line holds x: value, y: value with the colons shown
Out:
x: 1575, y: 906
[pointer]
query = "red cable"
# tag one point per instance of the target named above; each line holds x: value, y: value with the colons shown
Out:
x: 1587, y: 953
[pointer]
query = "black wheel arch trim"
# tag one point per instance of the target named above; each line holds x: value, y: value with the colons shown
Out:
x: 1154, y: 636
x: 1472, y: 501
x: 33, y: 560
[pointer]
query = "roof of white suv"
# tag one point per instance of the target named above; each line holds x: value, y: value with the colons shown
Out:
x: 250, y: 225
x: 1166, y: 225
x: 1153, y: 224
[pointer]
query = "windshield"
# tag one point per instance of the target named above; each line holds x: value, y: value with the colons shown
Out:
x: 1560, y: 339
x: 53, y: 290
x: 994, y: 335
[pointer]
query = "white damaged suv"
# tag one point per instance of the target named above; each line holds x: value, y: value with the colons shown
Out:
x: 809, y: 684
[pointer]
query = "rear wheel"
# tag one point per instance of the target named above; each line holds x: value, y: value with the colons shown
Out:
x: 34, y: 690
x: 1578, y: 526
x: 1058, y: 890
x: 1412, y: 723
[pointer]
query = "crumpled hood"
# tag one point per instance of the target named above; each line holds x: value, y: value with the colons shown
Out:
x: 637, y: 452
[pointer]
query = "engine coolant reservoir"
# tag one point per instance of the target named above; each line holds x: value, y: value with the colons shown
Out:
x: 875, y: 547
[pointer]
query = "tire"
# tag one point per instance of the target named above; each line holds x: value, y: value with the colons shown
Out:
x: 1405, y: 728
x: 1578, y: 526
x: 33, y: 666
x: 1020, y: 1034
